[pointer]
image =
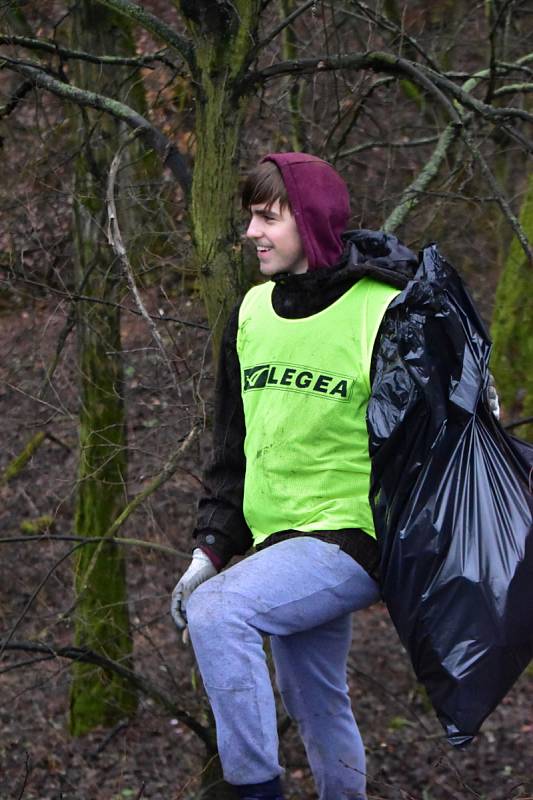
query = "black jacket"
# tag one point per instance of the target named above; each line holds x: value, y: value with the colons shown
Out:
x: 221, y: 528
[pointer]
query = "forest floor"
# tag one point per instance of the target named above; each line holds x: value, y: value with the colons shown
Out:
x: 154, y: 755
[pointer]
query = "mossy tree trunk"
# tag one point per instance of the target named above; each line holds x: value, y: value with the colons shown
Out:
x: 101, y: 616
x: 512, y: 325
x: 224, y: 35
x: 296, y: 89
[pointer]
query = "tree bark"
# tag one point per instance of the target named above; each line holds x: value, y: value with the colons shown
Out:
x: 224, y: 35
x: 99, y: 697
x: 511, y: 327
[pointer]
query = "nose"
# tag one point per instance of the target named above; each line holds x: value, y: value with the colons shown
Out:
x: 254, y: 228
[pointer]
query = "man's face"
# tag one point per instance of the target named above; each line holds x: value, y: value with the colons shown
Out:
x: 278, y: 244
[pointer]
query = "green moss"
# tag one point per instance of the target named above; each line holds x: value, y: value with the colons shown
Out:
x: 15, y: 467
x: 512, y: 325
x: 101, y: 624
x: 37, y: 525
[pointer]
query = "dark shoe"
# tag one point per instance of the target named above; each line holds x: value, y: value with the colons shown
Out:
x: 271, y: 790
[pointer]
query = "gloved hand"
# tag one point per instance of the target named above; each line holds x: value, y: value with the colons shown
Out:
x: 200, y: 569
x: 492, y: 397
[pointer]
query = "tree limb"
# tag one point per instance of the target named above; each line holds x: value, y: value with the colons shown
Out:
x: 500, y: 197
x: 114, y: 237
x: 19, y: 94
x: 66, y: 53
x: 88, y: 656
x: 86, y: 299
x: 33, y: 595
x: 513, y: 88
x: 152, y: 137
x: 84, y: 540
x: 384, y: 143
x: 155, y: 25
x: 168, y: 470
x: 411, y: 196
x: 282, y: 25
x: 435, y: 83
x: 388, y: 25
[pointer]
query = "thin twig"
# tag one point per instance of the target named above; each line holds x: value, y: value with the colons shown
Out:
x: 86, y: 299
x: 85, y: 540
x: 167, y: 471
x: 282, y: 25
x: 27, y: 771
x: 33, y: 595
x: 114, y: 237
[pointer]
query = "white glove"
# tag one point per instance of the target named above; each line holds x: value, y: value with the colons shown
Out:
x: 492, y: 397
x: 200, y: 569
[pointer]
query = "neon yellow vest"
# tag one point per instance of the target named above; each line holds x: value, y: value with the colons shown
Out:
x: 305, y: 389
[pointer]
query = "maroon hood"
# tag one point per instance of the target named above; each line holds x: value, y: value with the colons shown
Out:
x: 320, y: 204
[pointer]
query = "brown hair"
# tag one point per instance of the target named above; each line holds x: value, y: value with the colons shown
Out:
x: 264, y: 184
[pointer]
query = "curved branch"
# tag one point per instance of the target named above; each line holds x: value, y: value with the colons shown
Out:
x: 152, y: 137
x: 435, y: 83
x: 155, y: 25
x: 88, y: 656
x: 114, y: 237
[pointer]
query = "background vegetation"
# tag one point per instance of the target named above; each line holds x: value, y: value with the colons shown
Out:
x: 126, y: 130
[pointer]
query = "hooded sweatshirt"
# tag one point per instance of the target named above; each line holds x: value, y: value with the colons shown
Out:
x: 320, y: 204
x: 338, y: 261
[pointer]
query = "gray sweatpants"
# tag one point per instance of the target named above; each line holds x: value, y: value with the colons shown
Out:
x: 300, y: 592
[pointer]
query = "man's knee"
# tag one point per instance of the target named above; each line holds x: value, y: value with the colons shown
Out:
x: 210, y: 609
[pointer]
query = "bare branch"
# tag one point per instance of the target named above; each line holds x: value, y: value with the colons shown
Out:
x: 19, y: 94
x: 504, y: 205
x: 84, y: 540
x: 33, y: 595
x: 114, y: 237
x: 152, y: 137
x: 384, y: 143
x: 87, y: 299
x: 67, y: 54
x: 141, y: 683
x: 282, y: 25
x: 411, y: 196
x: 435, y: 83
x: 155, y: 25
x: 168, y: 470
x: 387, y: 24
x: 513, y: 88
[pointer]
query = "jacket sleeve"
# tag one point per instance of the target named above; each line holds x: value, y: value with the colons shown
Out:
x: 221, y: 530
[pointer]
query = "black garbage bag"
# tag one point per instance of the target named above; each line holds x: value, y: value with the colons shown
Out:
x: 452, y: 503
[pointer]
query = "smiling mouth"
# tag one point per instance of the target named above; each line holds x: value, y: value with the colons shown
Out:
x: 263, y: 249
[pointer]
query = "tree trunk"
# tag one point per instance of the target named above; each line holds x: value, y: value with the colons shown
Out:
x: 224, y: 34
x: 295, y: 91
x: 511, y: 328
x: 102, y: 620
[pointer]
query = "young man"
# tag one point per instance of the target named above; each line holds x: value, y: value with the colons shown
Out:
x: 290, y: 475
